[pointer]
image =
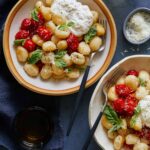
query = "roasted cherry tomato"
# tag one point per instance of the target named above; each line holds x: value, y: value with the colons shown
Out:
x: 133, y: 72
x: 119, y: 105
x: 29, y: 45
x: 26, y: 24
x: 22, y: 34
x: 122, y: 90
x: 73, y: 43
x: 44, y: 33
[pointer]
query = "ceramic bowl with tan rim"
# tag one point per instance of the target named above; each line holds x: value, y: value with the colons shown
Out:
x: 53, y: 87
x: 136, y: 62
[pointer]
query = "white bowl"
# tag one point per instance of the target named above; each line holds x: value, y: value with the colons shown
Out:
x: 21, y: 10
x: 137, y: 62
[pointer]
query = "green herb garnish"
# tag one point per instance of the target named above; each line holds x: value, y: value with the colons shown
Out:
x: 58, y: 59
x: 19, y: 42
x: 35, y: 57
x: 66, y: 26
x: 34, y: 15
x: 90, y: 35
x: 68, y: 70
x: 60, y: 63
x: 137, y: 111
x: 60, y: 54
x: 142, y: 82
x: 113, y: 118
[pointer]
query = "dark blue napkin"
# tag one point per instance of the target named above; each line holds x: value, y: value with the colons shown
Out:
x: 13, y: 98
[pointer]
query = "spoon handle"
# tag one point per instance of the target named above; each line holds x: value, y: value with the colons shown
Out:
x: 92, y: 131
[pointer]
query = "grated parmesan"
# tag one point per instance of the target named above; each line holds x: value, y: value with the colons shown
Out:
x: 138, y: 27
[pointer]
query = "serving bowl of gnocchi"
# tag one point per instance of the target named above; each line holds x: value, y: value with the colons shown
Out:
x: 125, y: 124
x: 48, y: 43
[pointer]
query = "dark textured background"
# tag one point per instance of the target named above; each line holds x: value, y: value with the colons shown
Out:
x: 119, y: 9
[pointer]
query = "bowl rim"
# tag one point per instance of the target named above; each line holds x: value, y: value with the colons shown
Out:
x: 36, y: 89
x: 127, y: 19
x: 101, y: 81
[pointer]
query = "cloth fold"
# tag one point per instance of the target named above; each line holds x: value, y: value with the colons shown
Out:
x: 14, y: 98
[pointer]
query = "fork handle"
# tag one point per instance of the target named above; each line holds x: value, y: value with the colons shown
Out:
x: 92, y: 131
x: 78, y: 99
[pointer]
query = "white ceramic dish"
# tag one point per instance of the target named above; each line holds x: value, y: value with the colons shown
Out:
x: 137, y: 62
x: 52, y: 87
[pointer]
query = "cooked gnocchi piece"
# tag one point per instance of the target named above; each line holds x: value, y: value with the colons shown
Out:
x: 49, y: 46
x: 46, y: 12
x: 51, y: 26
x: 118, y: 142
x: 141, y: 93
x: 73, y: 74
x: 77, y: 58
x: 100, y: 29
x: 84, y: 48
x: 62, y: 34
x: 112, y: 95
x: 31, y: 70
x: 95, y: 16
x: 95, y: 44
x: 46, y: 72
x: 37, y: 40
x: 140, y: 146
x: 132, y: 139
x: 22, y: 54
x: 62, y: 45
x: 132, y: 82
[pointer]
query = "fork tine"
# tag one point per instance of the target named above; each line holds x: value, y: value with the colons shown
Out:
x: 117, y: 73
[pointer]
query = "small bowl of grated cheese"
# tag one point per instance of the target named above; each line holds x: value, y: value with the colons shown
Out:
x: 137, y: 26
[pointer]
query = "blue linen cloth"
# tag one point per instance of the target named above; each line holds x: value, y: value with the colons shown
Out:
x: 14, y: 98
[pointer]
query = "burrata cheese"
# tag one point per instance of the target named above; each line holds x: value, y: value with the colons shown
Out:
x: 145, y: 111
x: 75, y: 12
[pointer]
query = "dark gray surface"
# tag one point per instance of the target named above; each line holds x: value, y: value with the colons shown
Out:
x: 120, y: 9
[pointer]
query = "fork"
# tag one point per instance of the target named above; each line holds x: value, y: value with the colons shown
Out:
x: 116, y: 74
x: 83, y: 83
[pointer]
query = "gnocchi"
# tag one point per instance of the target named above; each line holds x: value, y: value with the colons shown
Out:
x: 31, y: 70
x: 126, y: 115
x: 62, y: 45
x: 62, y: 34
x: 51, y: 45
x: 132, y: 139
x: 140, y: 146
x: 112, y: 95
x: 118, y: 142
x: 37, y: 40
x: 22, y: 54
x: 46, y: 72
x: 95, y: 44
x: 132, y: 82
x: 84, y: 48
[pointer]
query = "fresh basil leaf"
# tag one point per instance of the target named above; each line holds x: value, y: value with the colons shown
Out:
x: 66, y: 26
x: 35, y: 57
x: 63, y: 27
x: 60, y: 54
x: 68, y: 70
x: 142, y: 82
x: 70, y: 24
x: 34, y: 15
x: 137, y: 111
x: 19, y: 42
x: 113, y: 118
x: 90, y: 35
x: 60, y: 63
